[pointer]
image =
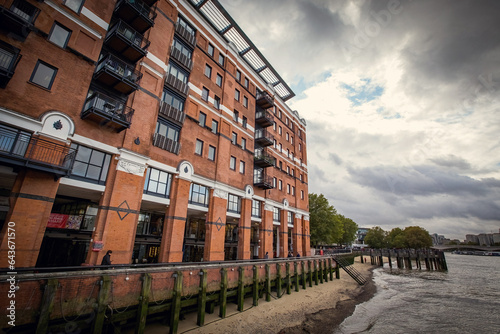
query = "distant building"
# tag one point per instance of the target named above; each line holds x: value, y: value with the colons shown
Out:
x: 437, y: 239
x: 471, y: 238
x: 360, y: 237
x: 496, y: 238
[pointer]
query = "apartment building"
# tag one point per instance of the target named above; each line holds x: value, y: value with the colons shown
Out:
x: 152, y: 128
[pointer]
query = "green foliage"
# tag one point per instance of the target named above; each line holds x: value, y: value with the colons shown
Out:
x: 396, y: 238
x: 324, y: 225
x: 417, y: 237
x: 376, y: 237
x: 350, y: 228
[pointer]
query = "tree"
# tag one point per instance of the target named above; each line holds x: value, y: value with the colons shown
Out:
x: 396, y: 238
x: 376, y: 237
x: 417, y: 237
x: 324, y: 224
x: 350, y: 228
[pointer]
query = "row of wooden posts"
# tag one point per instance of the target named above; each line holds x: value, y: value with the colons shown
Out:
x: 317, y: 270
x: 433, y: 260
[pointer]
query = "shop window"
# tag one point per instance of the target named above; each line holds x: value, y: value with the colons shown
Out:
x: 90, y: 165
x: 195, y: 229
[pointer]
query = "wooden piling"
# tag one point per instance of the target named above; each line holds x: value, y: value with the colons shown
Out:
x: 46, y: 306
x: 288, y: 279
x: 303, y: 267
x: 330, y: 268
x: 268, y: 284
x: 175, y: 308
x: 296, y: 276
x: 202, y: 298
x: 223, y: 293
x: 142, y: 310
x: 316, y: 274
x: 321, y: 277
x: 255, y: 289
x: 279, y: 281
x: 102, y: 304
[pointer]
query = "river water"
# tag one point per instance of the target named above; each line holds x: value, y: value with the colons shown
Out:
x: 466, y: 299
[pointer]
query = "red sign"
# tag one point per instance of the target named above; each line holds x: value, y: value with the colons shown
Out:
x: 57, y: 220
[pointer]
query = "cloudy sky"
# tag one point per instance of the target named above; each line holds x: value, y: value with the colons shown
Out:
x: 402, y: 104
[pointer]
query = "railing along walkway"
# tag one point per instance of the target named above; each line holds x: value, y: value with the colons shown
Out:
x: 349, y: 269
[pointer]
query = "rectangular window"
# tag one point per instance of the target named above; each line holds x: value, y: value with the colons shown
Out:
x: 168, y: 129
x: 234, y: 138
x: 211, y: 153
x: 184, y: 24
x: 173, y: 99
x: 216, y: 102
x: 242, y: 167
x: 199, y: 147
x: 280, y: 130
x: 210, y: 49
x: 246, y: 83
x: 233, y: 203
x: 90, y: 164
x: 59, y: 35
x: 280, y: 185
x: 243, y: 143
x: 215, y: 126
x: 293, y: 190
x: 302, y: 194
x: 198, y: 194
x: 274, y: 182
x: 218, y: 80
x: 221, y: 59
x: 276, y: 214
x: 157, y: 182
x: 245, y: 101
x: 232, y: 163
x: 236, y: 95
x: 182, y: 48
x: 202, y: 119
x: 208, y: 71
x: 238, y: 75
x: 43, y: 75
x: 74, y: 5
x: 177, y: 72
x: 256, y: 208
x: 300, y: 147
x: 288, y: 169
x: 288, y: 189
x: 244, y: 122
x: 204, y: 94
x: 290, y: 218
x: 236, y: 116
x: 287, y: 136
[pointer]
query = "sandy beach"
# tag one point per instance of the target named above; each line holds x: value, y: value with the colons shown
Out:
x: 315, y: 310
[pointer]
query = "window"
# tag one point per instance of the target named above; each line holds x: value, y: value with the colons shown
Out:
x: 59, y: 35
x: 199, y: 147
x: 184, y: 24
x: 293, y: 172
x: 221, y: 59
x: 291, y: 156
x: 291, y: 140
x: 290, y: 218
x: 215, y: 126
x: 74, y: 5
x: 172, y: 99
x: 157, y: 182
x: 235, y: 116
x: 244, y: 122
x: 280, y: 130
x: 276, y: 214
x: 43, y: 75
x: 182, y: 48
x: 177, y: 72
x: 217, y: 102
x: 256, y: 208
x: 167, y: 129
x: 211, y: 153
x: 280, y: 147
x: 234, y: 138
x: 293, y: 190
x: 210, y: 49
x: 198, y: 194
x: 246, y: 82
x: 300, y: 147
x: 208, y: 71
x: 288, y: 153
x: 281, y: 165
x: 245, y: 101
x: 90, y: 164
x: 243, y: 143
x: 288, y: 169
x: 286, y: 120
x: 232, y: 163
x: 218, y: 80
x: 202, y: 119
x: 288, y: 188
x: 274, y: 126
x: 280, y: 185
x: 287, y: 136
x: 236, y: 95
x: 204, y: 94
x: 242, y: 167
x: 233, y: 203
x: 238, y: 75
x: 279, y: 114
x: 274, y: 182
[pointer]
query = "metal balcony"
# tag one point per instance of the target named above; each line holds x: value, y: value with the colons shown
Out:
x: 176, y: 84
x: 264, y: 138
x: 19, y: 19
x: 166, y: 144
x: 264, y: 118
x: 116, y: 74
x: 263, y: 159
x: 186, y: 35
x: 126, y: 41
x: 9, y: 58
x: 172, y: 113
x: 107, y: 112
x: 263, y: 181
x: 136, y: 13
x: 264, y: 100
x: 181, y: 58
x: 18, y: 148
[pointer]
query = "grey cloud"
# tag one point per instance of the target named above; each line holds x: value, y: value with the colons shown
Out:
x: 452, y: 161
x: 335, y: 158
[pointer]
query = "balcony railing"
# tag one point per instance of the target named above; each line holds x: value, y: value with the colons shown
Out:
x: 114, y: 73
x: 264, y: 138
x: 263, y: 159
x: 264, y: 117
x: 19, y: 19
x: 181, y: 58
x: 263, y: 181
x: 185, y: 34
x: 177, y: 84
x: 136, y: 13
x: 107, y: 111
x: 172, y: 113
x: 264, y: 100
x: 18, y: 148
x: 126, y: 41
x: 9, y: 58
x: 166, y: 144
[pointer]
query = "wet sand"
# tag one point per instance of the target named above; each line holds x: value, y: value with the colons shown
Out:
x: 319, y: 309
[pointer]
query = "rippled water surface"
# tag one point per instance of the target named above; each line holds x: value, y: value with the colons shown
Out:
x: 466, y: 299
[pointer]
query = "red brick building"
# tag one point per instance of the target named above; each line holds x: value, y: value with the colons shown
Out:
x: 155, y: 129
